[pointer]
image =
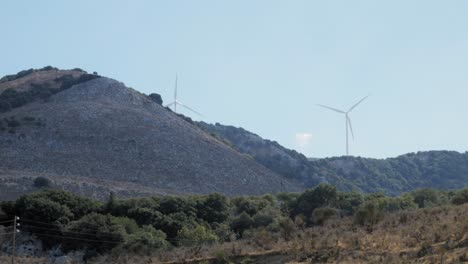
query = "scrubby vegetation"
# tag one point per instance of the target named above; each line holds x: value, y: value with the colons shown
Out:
x: 42, y: 182
x: 143, y: 225
x: 393, y: 176
x: 156, y: 98
x: 12, y: 98
x: 21, y: 74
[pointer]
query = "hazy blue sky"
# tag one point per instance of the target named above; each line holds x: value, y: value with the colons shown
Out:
x: 264, y: 65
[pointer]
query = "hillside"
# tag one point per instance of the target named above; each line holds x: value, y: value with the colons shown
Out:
x: 434, y: 169
x: 91, y: 134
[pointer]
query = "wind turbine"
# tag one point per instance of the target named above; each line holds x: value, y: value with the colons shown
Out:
x: 176, y: 102
x: 347, y: 120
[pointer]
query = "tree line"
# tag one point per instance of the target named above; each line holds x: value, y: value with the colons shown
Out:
x: 142, y: 225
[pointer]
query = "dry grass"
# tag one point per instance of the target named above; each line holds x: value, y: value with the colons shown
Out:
x: 434, y: 235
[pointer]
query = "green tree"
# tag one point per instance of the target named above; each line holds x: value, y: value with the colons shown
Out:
x: 213, y: 209
x: 241, y: 223
x: 156, y: 98
x: 42, y: 182
x: 320, y: 196
x: 96, y: 233
x: 144, y: 242
x: 195, y: 234
x: 425, y: 197
x: 460, y: 197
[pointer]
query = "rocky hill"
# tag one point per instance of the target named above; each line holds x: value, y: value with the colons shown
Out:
x: 92, y: 134
x: 435, y: 169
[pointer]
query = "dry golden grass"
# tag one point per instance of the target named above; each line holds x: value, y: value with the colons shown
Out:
x: 38, y: 77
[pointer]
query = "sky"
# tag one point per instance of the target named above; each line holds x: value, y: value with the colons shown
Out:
x: 264, y: 65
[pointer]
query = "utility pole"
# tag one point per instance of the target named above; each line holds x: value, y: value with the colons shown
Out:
x: 15, y: 230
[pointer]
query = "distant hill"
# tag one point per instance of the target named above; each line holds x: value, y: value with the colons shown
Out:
x: 435, y: 169
x: 92, y: 135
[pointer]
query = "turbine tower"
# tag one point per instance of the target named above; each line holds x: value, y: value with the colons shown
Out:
x: 176, y: 102
x: 347, y: 120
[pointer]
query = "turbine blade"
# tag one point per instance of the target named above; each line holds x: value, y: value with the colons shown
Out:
x: 170, y: 104
x: 356, y: 104
x: 333, y: 109
x: 350, y: 126
x: 189, y: 109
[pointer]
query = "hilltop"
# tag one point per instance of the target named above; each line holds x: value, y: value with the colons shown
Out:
x: 91, y: 134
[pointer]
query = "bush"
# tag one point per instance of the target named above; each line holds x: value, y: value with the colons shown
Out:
x: 42, y: 182
x: 321, y: 196
x: 241, y: 223
x: 250, y: 205
x: 460, y: 197
x: 321, y: 215
x: 144, y: 242
x: 349, y: 202
x: 156, y: 98
x: 425, y: 197
x: 368, y: 214
x: 198, y: 233
x: 213, y: 209
x: 103, y: 232
x: 287, y: 228
x: 262, y: 219
x: 13, y: 123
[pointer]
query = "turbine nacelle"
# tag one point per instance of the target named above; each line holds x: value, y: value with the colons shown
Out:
x: 176, y: 102
x: 348, y: 124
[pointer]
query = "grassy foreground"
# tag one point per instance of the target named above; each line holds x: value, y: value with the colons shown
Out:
x: 429, y: 235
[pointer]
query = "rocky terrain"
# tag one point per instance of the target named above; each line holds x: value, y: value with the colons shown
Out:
x: 102, y: 130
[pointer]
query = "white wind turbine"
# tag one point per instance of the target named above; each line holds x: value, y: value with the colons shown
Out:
x: 347, y: 120
x: 176, y: 102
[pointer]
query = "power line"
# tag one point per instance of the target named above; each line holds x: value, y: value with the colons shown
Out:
x: 7, y: 221
x: 54, y: 225
x: 65, y: 231
x: 84, y: 239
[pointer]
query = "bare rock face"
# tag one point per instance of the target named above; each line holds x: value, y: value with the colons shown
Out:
x: 106, y: 132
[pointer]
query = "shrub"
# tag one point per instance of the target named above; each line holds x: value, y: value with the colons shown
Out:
x: 213, y: 209
x: 460, y: 197
x: 320, y: 196
x: 250, y: 205
x: 349, y: 202
x: 42, y: 182
x: 262, y: 219
x: 425, y: 197
x: 103, y: 232
x: 241, y: 223
x: 287, y: 228
x: 145, y: 241
x: 368, y: 214
x: 156, y: 98
x: 321, y: 215
x: 13, y: 123
x: 29, y: 118
x: 198, y: 233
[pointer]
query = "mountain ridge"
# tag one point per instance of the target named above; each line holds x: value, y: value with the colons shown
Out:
x: 393, y: 176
